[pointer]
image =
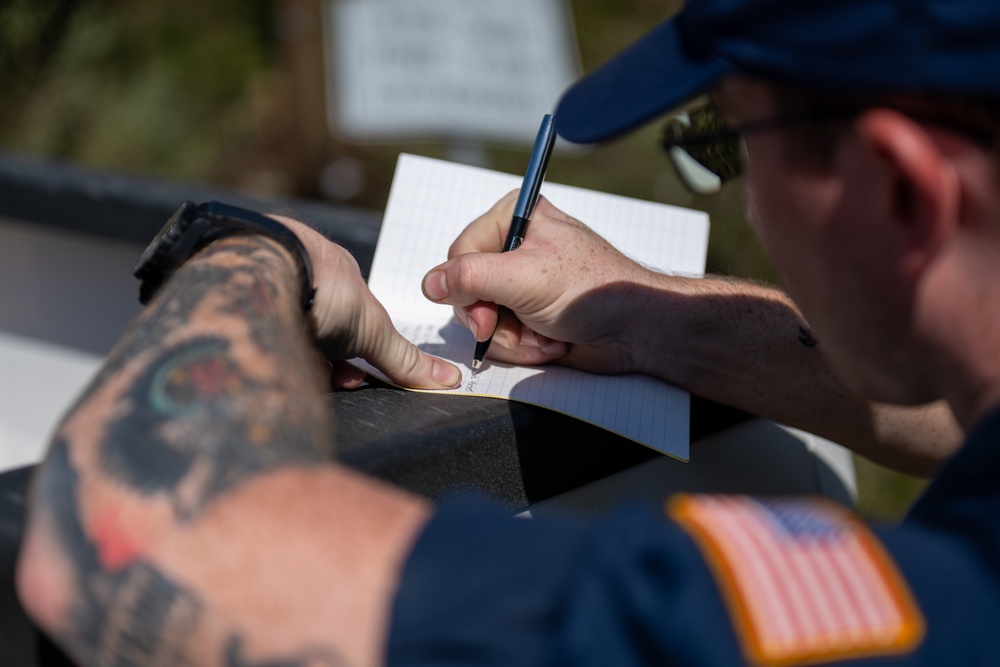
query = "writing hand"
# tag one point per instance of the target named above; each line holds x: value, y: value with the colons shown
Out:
x: 570, y: 291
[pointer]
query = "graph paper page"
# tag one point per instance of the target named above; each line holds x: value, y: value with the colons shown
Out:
x: 431, y: 202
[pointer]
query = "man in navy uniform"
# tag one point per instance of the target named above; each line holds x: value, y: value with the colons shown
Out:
x: 187, y: 514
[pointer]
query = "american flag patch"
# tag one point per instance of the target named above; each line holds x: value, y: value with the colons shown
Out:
x: 804, y: 580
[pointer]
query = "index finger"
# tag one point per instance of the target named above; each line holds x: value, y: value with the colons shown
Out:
x: 487, y: 232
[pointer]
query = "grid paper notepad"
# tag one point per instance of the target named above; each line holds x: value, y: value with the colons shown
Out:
x: 431, y: 202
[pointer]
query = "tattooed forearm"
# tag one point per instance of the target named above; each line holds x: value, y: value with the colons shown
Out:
x: 215, y: 384
x: 250, y: 289
x: 207, y: 420
x: 124, y: 612
x: 205, y: 426
x: 147, y: 330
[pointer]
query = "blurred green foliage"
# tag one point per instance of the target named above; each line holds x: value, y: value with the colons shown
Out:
x: 198, y: 92
x: 156, y: 87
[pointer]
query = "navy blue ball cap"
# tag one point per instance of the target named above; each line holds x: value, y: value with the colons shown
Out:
x: 891, y: 46
x: 653, y: 75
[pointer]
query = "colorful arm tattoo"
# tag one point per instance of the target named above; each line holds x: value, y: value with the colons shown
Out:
x: 215, y: 384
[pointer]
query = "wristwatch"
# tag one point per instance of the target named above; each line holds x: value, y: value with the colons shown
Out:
x: 194, y: 226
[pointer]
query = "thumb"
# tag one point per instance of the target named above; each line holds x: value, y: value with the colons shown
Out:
x: 467, y: 279
x: 402, y: 361
x: 472, y: 283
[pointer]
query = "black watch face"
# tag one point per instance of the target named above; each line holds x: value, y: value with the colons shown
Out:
x: 151, y: 259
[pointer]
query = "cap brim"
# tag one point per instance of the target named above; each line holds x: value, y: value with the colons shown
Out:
x: 652, y: 76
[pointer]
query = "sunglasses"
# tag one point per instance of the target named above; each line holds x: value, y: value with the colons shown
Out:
x: 706, y: 152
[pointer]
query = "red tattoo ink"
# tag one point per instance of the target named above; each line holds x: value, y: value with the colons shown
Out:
x: 116, y: 546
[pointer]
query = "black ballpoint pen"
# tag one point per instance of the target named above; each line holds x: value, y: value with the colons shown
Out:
x: 526, y: 200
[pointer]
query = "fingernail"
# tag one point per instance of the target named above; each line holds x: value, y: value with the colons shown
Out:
x: 555, y: 347
x: 503, y: 339
x: 474, y: 328
x: 436, y: 286
x: 446, y: 375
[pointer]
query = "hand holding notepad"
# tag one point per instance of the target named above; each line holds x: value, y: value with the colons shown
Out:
x: 431, y: 202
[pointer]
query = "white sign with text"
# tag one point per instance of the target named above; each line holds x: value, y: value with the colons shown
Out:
x: 474, y: 70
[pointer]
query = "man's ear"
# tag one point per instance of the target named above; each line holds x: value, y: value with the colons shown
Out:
x: 922, y: 190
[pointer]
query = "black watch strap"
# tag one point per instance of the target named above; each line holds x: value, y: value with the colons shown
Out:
x: 223, y: 216
x: 193, y: 227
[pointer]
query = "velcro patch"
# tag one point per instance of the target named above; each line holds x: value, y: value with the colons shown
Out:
x: 804, y: 580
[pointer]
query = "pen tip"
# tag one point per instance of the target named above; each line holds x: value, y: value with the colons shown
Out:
x: 476, y: 365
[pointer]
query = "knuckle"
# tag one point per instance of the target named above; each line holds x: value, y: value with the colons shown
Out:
x: 466, y: 275
x: 411, y: 360
x: 345, y: 259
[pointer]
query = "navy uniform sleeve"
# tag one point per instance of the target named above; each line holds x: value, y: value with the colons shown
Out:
x: 948, y: 548
x: 481, y: 588
x: 954, y: 576
x: 715, y: 580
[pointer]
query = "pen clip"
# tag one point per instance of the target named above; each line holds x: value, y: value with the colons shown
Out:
x: 534, y: 176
